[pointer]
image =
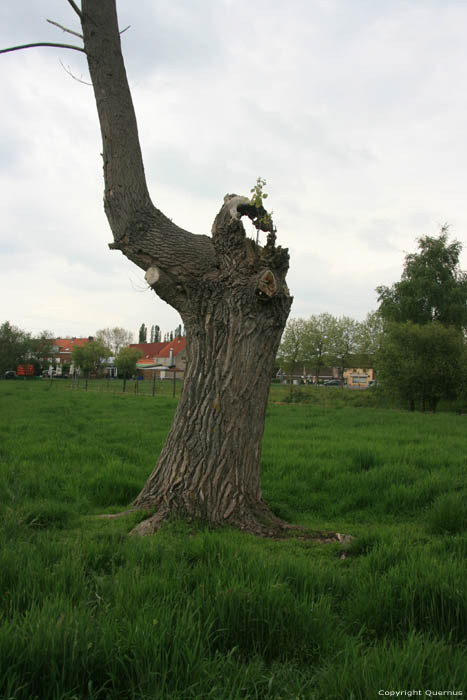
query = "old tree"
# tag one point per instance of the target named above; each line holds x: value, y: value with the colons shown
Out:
x: 232, y: 297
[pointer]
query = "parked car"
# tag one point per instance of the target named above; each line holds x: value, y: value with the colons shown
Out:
x: 10, y: 374
x: 332, y: 382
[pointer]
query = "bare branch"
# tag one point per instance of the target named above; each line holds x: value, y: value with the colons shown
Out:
x: 64, y: 29
x: 42, y: 43
x: 79, y: 80
x: 76, y: 8
x: 124, y: 30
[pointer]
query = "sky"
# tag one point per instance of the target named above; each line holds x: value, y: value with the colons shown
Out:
x: 354, y: 111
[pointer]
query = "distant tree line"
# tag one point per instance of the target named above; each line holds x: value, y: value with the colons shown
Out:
x: 416, y: 339
x: 324, y: 340
x: 20, y: 347
x: 155, y: 335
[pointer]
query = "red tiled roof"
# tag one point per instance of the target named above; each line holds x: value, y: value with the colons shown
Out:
x: 177, y: 345
x: 66, y: 344
x: 154, y: 350
x: 149, y: 349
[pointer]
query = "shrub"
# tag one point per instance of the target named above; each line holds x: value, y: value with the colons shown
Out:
x: 296, y: 395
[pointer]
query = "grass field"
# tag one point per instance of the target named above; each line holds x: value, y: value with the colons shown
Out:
x: 88, y: 613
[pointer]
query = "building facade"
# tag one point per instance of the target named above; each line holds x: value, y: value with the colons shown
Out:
x: 62, y: 349
x: 162, y: 359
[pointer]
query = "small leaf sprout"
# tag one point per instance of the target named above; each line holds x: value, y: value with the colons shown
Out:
x: 264, y: 218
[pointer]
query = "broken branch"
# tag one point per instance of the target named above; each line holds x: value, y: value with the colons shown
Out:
x: 78, y: 80
x: 64, y: 29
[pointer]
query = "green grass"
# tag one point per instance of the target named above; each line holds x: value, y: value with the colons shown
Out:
x: 164, y: 387
x: 88, y: 613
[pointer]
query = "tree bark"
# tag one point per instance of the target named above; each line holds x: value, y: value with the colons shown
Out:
x: 209, y: 466
x: 231, y: 295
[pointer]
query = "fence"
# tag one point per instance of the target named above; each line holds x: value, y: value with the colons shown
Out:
x: 140, y: 387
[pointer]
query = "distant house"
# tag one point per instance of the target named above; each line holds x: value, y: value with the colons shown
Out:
x: 357, y: 377
x: 159, y: 357
x: 307, y: 375
x: 62, y: 349
x: 354, y: 377
x: 149, y: 350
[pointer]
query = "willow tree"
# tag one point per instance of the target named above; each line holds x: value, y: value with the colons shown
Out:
x: 231, y: 294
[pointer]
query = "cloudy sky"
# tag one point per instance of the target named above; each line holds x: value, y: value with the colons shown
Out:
x: 354, y: 111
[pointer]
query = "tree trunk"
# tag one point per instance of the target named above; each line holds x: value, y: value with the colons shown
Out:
x: 234, y: 316
x: 209, y: 466
x: 318, y: 371
x: 232, y: 297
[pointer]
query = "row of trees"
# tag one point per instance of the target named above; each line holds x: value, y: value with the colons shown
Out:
x: 18, y: 347
x: 416, y: 340
x: 323, y: 340
x: 156, y: 334
x: 92, y: 356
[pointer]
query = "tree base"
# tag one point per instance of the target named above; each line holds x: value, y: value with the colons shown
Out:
x: 259, y: 521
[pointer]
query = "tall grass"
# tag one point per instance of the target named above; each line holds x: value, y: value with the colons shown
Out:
x: 87, y: 612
